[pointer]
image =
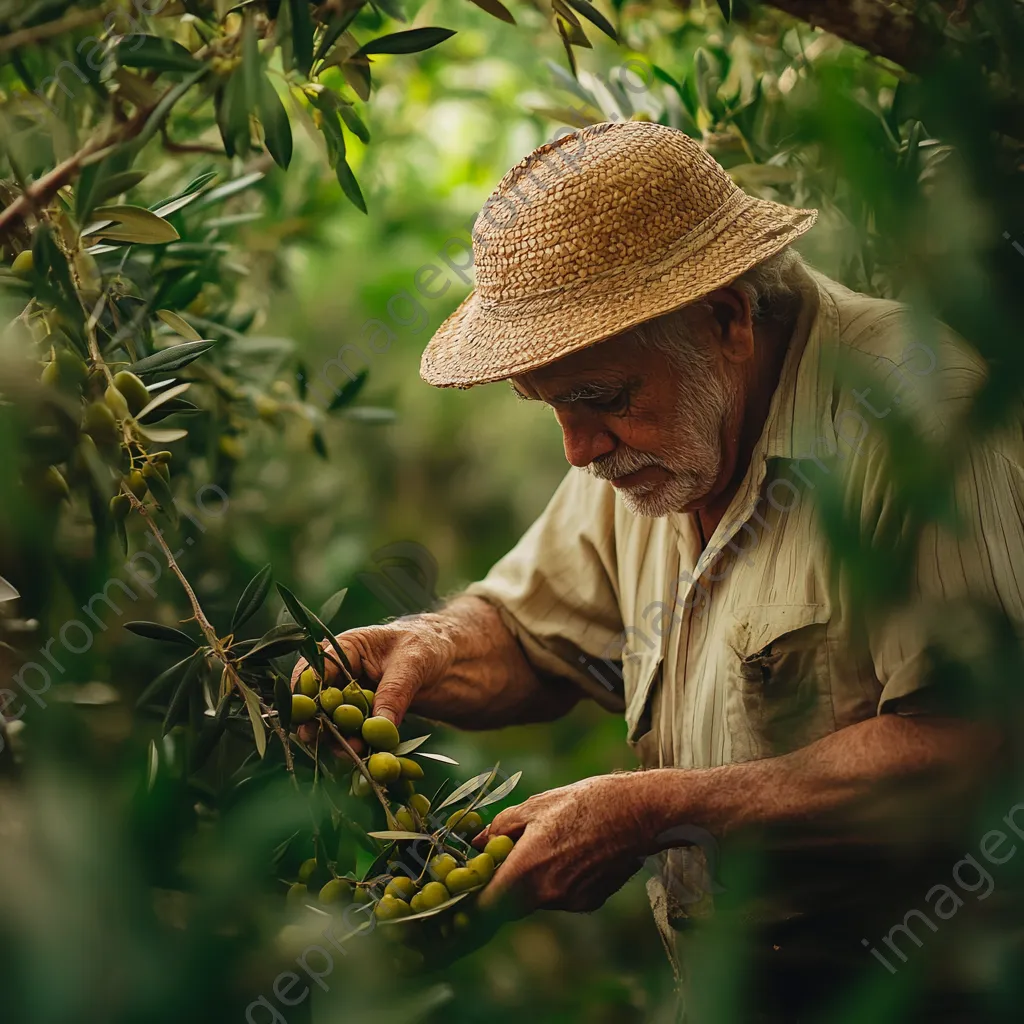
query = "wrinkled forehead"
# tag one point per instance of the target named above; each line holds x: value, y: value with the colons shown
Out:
x: 602, y: 366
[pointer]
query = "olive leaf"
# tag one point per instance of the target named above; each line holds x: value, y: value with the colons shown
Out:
x: 161, y: 682
x: 130, y: 224
x: 230, y: 188
x: 252, y: 598
x: 173, y: 358
x: 440, y: 909
x: 501, y: 792
x: 158, y: 631
x: 349, y: 391
x: 330, y: 608
x: 283, y: 639
x: 408, y: 746
x: 178, y: 325
x: 496, y: 9
x: 155, y: 53
x: 466, y: 788
x: 252, y: 705
x: 117, y: 184
x: 595, y: 17
x: 354, y: 123
x: 397, y: 834
x: 161, y: 398
x: 298, y: 611
x: 161, y: 489
x: 211, y: 734
x: 443, y: 758
x: 181, y: 695
x: 412, y: 40
x: 338, y: 24
x: 302, y: 34
x: 277, y: 132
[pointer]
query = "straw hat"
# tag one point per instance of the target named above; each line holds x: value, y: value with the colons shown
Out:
x: 592, y: 234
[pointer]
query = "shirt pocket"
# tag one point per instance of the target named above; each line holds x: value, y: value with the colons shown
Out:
x: 779, y: 691
x: 641, y: 677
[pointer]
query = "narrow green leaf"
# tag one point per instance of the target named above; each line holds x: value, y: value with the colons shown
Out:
x: 259, y: 730
x: 283, y: 702
x: 349, y: 185
x: 162, y: 681
x: 412, y: 40
x: 372, y: 414
x: 250, y: 70
x: 298, y: 611
x: 501, y: 792
x: 433, y: 912
x: 252, y: 598
x: 302, y: 35
x: 280, y: 640
x: 338, y: 24
x: 443, y: 758
x: 158, y: 631
x: 178, y: 325
x: 594, y: 16
x: 349, y: 391
x: 130, y: 224
x: 230, y: 188
x: 725, y: 6
x: 357, y: 74
x: 496, y: 9
x: 161, y: 491
x: 181, y: 695
x: 164, y: 107
x: 277, y: 132
x: 466, y: 789
x: 396, y: 834
x: 210, y: 734
x: 408, y: 746
x: 330, y: 608
x: 155, y: 52
x: 115, y: 185
x: 173, y: 358
x: 354, y: 122
x: 162, y: 398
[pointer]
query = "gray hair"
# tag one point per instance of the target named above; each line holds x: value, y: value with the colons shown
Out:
x: 770, y: 287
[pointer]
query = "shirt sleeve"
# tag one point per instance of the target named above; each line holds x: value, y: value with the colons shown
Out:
x: 556, y: 590
x: 965, y: 578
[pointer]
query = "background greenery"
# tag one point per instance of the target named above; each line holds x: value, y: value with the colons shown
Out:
x: 123, y: 895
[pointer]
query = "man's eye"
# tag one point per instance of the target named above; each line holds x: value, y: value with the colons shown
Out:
x: 617, y: 403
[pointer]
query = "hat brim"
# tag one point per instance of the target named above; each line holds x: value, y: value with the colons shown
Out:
x: 483, y: 342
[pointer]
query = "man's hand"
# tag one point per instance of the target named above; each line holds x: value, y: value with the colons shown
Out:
x: 575, y: 845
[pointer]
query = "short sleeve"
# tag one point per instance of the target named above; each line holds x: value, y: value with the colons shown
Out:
x: 970, y: 561
x: 556, y: 589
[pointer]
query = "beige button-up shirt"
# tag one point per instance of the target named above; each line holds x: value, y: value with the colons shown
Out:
x: 747, y: 649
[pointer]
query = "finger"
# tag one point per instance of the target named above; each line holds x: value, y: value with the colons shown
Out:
x: 332, y: 669
x: 402, y: 679
x: 510, y: 822
x: 508, y: 887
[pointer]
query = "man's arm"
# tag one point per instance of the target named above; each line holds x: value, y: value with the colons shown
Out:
x: 865, y: 783
x: 460, y: 665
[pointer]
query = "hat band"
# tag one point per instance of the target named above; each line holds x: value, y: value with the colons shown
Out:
x: 696, y: 238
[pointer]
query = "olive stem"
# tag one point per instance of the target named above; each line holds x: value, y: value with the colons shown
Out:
x: 347, y: 747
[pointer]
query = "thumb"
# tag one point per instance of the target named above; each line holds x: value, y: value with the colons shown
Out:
x: 403, y: 676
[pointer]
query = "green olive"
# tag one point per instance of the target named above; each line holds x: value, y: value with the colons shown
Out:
x: 461, y: 921
x: 382, y: 734
x: 419, y: 803
x: 462, y: 880
x: 368, y: 696
x: 360, y: 786
x: 309, y: 683
x: 303, y: 709
x: 161, y: 458
x: 348, y: 719
x: 465, y: 823
x: 499, y: 847
x: 410, y: 769
x: 432, y: 895
x: 354, y: 696
x: 405, y: 819
x: 442, y: 865
x: 99, y: 423
x: 401, y: 886
x: 337, y: 890
x: 383, y: 767
x: 297, y: 895
x: 120, y: 506
x: 50, y: 487
x: 23, y: 264
x: 135, y: 393
x: 66, y: 372
x: 391, y: 908
x: 482, y: 865
x: 331, y: 699
x: 137, y: 484
x: 362, y: 894
x: 116, y: 403
x: 306, y: 869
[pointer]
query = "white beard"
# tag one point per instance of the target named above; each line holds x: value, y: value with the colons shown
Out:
x: 693, y: 454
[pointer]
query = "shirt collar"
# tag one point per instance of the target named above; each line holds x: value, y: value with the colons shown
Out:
x: 800, y: 414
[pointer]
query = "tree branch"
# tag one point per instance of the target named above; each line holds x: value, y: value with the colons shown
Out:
x: 37, y: 33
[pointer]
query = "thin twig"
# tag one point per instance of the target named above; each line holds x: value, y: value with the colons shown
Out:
x: 49, y: 29
x: 361, y: 765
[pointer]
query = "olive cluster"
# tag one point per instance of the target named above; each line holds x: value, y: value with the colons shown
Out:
x: 412, y: 885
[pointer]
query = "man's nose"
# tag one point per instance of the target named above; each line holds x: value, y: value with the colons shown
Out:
x: 584, y: 438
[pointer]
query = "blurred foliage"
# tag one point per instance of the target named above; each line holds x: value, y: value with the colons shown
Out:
x: 140, y: 144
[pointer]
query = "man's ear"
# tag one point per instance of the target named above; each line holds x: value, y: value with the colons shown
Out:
x: 730, y: 309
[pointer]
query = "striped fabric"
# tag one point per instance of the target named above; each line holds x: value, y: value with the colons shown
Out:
x: 745, y: 650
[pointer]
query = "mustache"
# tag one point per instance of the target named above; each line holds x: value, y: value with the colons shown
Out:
x: 622, y: 462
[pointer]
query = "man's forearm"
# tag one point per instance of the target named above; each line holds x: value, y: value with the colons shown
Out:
x: 490, y: 683
x: 860, y: 784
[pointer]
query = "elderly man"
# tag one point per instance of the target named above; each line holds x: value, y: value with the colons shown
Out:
x: 709, y: 385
